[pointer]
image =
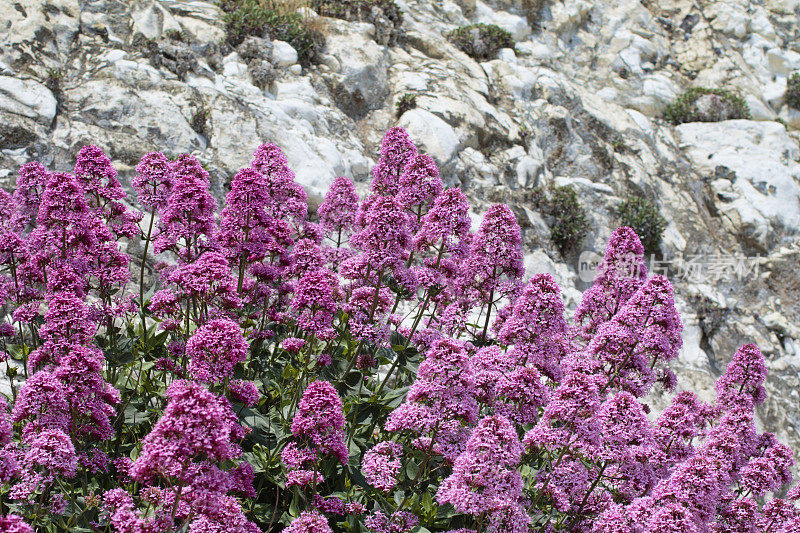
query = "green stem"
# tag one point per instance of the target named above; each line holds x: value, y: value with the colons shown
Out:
x: 141, y: 271
x: 488, y: 313
x: 422, y: 467
x: 577, y: 516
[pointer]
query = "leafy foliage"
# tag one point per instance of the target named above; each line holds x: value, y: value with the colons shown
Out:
x: 176, y: 35
x: 706, y: 105
x: 793, y: 90
x: 358, y: 9
x: 567, y: 218
x: 268, y: 18
x: 481, y: 41
x: 642, y: 215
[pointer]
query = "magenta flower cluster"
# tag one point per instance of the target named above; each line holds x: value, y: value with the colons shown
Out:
x: 372, y: 364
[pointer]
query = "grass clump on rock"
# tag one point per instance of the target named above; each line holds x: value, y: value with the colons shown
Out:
x: 642, y: 215
x: 276, y: 19
x: 481, y: 41
x: 707, y: 105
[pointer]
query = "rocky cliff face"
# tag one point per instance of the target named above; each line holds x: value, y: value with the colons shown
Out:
x: 578, y: 102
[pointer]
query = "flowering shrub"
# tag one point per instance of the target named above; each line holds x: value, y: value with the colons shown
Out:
x: 381, y: 368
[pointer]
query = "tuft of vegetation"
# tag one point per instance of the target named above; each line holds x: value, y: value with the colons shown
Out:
x: 53, y: 80
x: 706, y: 105
x: 199, y: 121
x: 710, y: 315
x: 643, y: 217
x: 793, y: 91
x: 276, y: 19
x: 618, y: 145
x: 567, y: 218
x: 263, y: 74
x: 173, y: 55
x: 385, y: 15
x: 481, y: 41
x: 361, y: 10
x: 525, y: 134
x: 404, y: 103
x: 176, y: 35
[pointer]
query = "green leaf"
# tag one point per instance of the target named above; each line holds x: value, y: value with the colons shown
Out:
x: 427, y: 503
x: 295, y: 505
x: 412, y: 469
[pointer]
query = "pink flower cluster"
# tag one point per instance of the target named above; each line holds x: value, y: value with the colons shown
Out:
x: 374, y: 365
x: 485, y: 478
x: 188, y: 449
x: 63, y: 230
x: 320, y: 421
x: 382, y: 464
x: 214, y: 350
x: 14, y: 524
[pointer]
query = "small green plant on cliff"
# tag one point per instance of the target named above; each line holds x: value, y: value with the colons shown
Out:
x: 618, y: 145
x: 276, y: 19
x: 176, y: 35
x: 404, y: 103
x: 793, y: 91
x: 643, y: 217
x: 481, y: 41
x: 571, y: 224
x: 706, y: 105
x: 53, y: 80
x: 566, y: 217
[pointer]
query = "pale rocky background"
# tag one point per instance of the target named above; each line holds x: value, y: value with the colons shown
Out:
x: 577, y: 103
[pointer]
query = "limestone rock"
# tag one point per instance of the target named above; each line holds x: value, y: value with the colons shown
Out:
x: 27, y: 98
x: 283, y: 55
x: 432, y: 134
x: 514, y: 24
x: 360, y: 84
x: 766, y: 162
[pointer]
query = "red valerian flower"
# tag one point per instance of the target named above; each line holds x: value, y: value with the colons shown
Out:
x: 320, y: 419
x: 214, y: 350
x: 397, y: 149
